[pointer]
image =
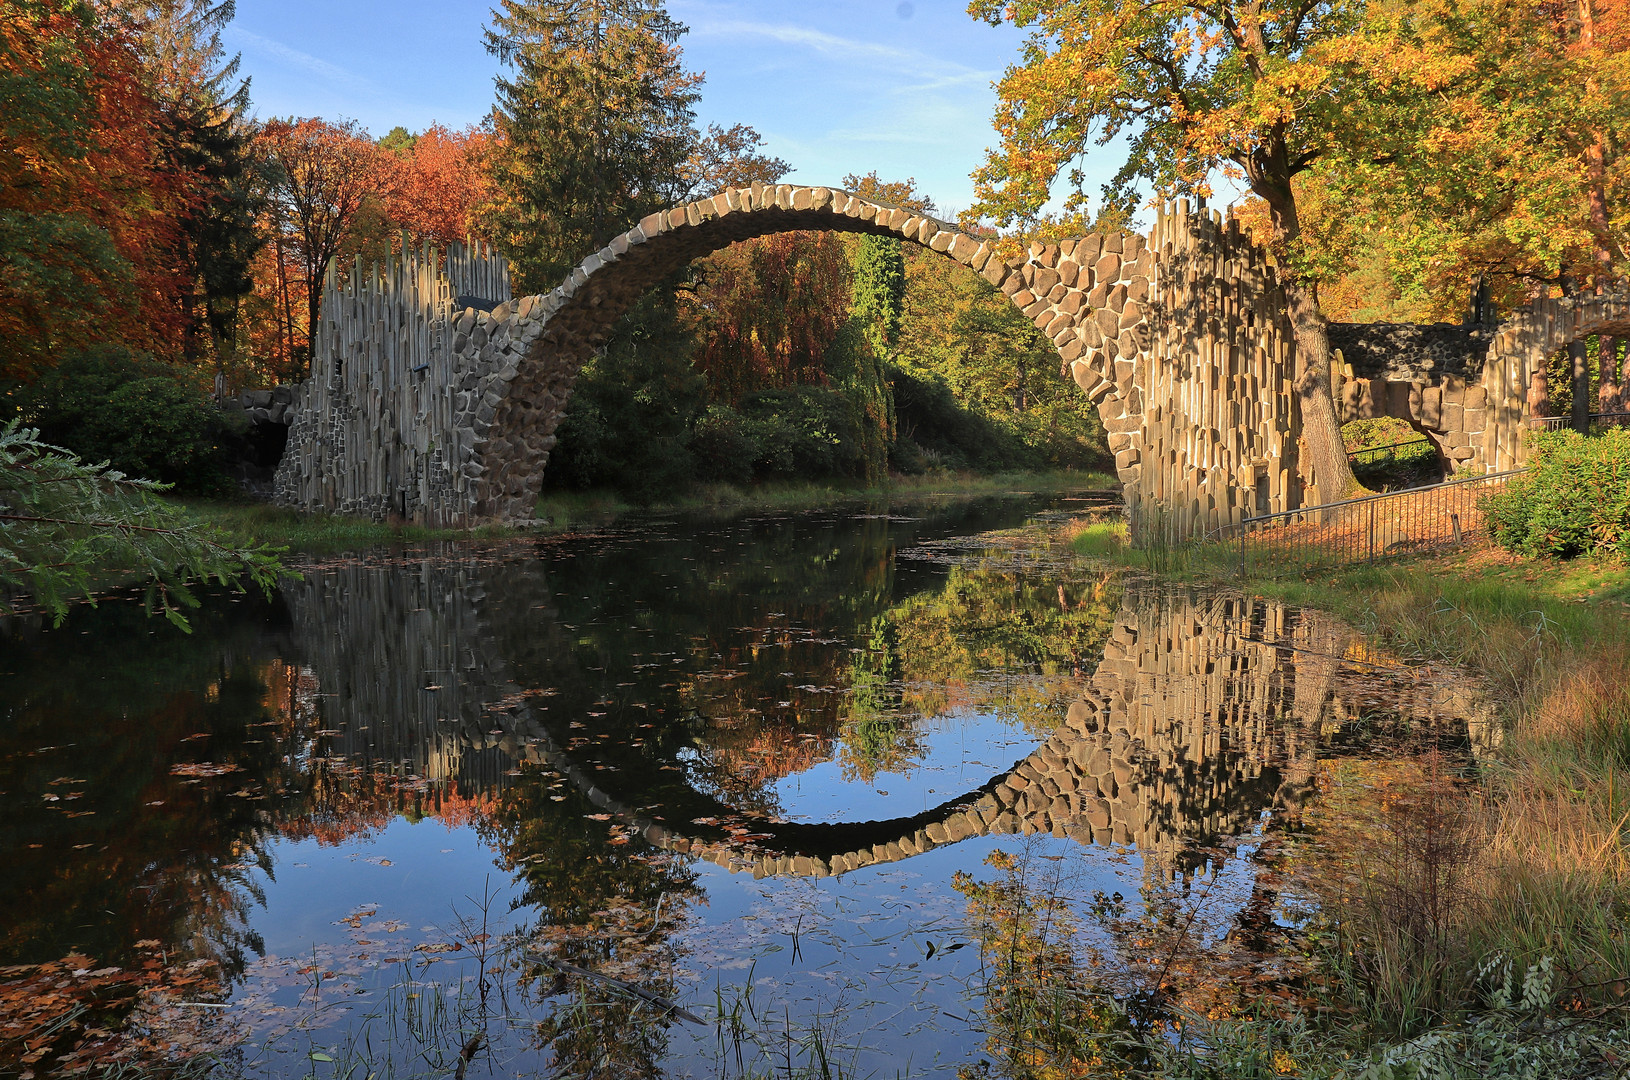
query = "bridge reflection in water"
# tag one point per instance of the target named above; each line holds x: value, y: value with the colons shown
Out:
x: 1204, y: 710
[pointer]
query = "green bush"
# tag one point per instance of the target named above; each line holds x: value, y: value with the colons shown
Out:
x: 931, y: 419
x: 808, y: 432
x: 1573, y: 500
x: 108, y: 403
x: 724, y: 447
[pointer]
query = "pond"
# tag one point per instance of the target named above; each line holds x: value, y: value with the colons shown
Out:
x: 685, y: 798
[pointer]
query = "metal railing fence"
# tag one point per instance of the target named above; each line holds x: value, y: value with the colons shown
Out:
x: 1376, y: 455
x: 1368, y: 529
x: 1598, y: 421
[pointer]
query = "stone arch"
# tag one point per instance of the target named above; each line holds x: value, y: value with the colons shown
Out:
x: 1091, y: 297
x: 447, y: 417
x: 1517, y: 359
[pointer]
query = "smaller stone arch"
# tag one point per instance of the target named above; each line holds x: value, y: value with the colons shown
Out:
x: 1513, y: 379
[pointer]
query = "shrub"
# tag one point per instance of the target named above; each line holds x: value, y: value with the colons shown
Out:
x: 809, y: 432
x: 1574, y: 499
x: 724, y: 447
x: 108, y: 403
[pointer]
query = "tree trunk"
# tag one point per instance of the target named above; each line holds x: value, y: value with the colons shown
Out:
x: 1609, y: 395
x: 1579, y: 361
x: 1322, y: 445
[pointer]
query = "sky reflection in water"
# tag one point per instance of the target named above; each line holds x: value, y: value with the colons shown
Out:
x: 735, y: 765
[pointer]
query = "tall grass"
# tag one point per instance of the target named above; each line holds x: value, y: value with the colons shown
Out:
x: 1522, y: 861
x: 1529, y: 862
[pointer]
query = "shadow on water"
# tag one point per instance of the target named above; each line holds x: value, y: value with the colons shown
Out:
x: 669, y: 745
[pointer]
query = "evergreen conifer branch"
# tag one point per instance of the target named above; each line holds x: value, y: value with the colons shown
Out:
x: 68, y: 530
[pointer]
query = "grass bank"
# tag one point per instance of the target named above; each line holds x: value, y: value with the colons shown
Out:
x: 247, y: 524
x: 1527, y: 864
x: 258, y: 523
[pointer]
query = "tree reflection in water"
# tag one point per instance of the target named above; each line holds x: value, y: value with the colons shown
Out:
x: 606, y: 713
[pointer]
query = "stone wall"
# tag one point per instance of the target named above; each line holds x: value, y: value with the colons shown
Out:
x: 1514, y: 377
x: 385, y: 426
x: 1453, y: 413
x: 1412, y: 353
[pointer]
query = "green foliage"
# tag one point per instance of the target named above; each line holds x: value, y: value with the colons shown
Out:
x: 1525, y: 1032
x: 804, y: 431
x: 628, y: 424
x: 594, y: 127
x: 1255, y: 1048
x: 879, y: 289
x: 1574, y: 499
x: 68, y: 529
x: 112, y: 405
x: 854, y: 364
x: 977, y: 384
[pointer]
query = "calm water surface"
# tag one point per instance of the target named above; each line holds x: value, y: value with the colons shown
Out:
x: 544, y: 789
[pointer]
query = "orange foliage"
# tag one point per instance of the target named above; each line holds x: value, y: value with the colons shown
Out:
x: 767, y: 309
x: 94, y: 213
x: 439, y: 183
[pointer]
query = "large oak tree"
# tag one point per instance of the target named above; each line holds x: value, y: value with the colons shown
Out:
x: 1193, y: 87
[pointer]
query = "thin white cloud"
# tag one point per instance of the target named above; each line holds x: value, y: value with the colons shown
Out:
x: 337, y: 77
x: 908, y: 62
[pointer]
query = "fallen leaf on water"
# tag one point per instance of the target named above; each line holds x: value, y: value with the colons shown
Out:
x: 204, y: 768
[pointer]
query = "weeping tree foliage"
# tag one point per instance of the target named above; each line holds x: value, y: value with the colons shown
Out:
x: 68, y: 529
x: 594, y: 127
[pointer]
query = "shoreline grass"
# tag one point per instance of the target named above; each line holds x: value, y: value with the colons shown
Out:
x: 1537, y: 849
x: 564, y: 510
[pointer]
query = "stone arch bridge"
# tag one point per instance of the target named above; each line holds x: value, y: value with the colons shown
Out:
x: 432, y: 404
x: 1204, y: 711
x: 420, y: 410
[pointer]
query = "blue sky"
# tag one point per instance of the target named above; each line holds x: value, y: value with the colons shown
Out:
x: 838, y: 87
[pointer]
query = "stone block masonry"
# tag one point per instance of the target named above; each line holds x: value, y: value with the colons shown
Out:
x: 386, y: 423
x: 447, y: 417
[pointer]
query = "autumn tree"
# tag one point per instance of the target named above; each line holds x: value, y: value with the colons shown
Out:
x: 322, y: 173
x: 594, y: 127
x: 83, y: 200
x: 728, y: 157
x: 766, y: 311
x: 206, y: 139
x: 441, y: 184
x: 1193, y: 88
